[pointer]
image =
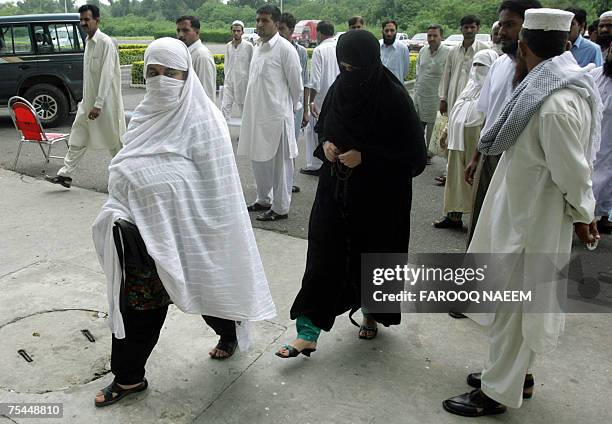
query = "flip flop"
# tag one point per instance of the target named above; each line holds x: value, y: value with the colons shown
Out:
x: 120, y: 392
x: 366, y: 328
x: 293, y: 352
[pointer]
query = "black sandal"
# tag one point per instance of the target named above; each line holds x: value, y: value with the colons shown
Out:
x: 120, y: 392
x: 366, y: 328
x: 293, y: 352
x: 227, y: 346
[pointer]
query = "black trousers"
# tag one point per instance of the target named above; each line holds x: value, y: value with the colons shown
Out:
x: 142, y: 328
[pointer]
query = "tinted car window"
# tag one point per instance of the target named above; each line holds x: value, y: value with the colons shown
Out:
x: 21, y: 39
x: 57, y: 38
x: 6, y: 42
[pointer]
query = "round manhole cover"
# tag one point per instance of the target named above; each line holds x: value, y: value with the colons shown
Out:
x: 62, y: 354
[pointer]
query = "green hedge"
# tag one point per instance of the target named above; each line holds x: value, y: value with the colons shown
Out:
x: 132, y: 46
x: 219, y: 58
x: 129, y: 56
x: 138, y: 72
x: 220, y: 74
x: 208, y: 36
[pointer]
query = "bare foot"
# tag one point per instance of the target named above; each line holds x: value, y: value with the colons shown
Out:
x: 100, y: 396
x: 299, y: 344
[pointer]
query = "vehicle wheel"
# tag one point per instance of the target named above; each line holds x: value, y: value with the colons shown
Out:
x: 50, y: 103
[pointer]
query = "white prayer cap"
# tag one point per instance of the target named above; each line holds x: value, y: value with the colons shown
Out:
x: 607, y: 14
x: 238, y: 23
x: 548, y: 19
x: 495, y: 25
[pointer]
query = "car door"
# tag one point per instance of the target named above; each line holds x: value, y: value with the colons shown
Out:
x: 17, y: 58
x: 60, y: 52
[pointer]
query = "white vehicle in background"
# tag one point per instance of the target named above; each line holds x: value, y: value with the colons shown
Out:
x: 402, y: 36
x: 338, y: 34
x: 417, y: 42
x: 250, y: 35
x: 456, y: 39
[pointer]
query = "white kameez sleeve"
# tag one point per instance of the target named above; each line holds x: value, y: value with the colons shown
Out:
x: 207, y: 74
x: 316, y: 69
x: 293, y: 75
x: 560, y: 139
x: 110, y: 57
x: 446, y: 77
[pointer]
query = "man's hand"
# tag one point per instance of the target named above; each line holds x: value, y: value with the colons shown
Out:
x: 94, y: 113
x: 313, y: 110
x: 587, y: 233
x: 470, y: 171
x: 443, y: 107
x: 331, y: 151
x: 305, y: 118
x: 352, y: 158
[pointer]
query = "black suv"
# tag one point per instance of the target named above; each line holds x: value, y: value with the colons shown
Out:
x: 41, y: 59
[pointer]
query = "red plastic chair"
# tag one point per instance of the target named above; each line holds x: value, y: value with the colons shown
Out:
x: 31, y: 131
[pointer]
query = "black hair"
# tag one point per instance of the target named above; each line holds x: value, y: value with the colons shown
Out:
x: 355, y: 19
x: 326, y: 28
x: 519, y: 6
x: 193, y: 20
x: 95, y: 10
x: 389, y: 21
x: 470, y: 19
x: 436, y: 26
x: 270, y: 9
x: 579, y: 14
x: 545, y: 44
x: 594, y: 26
x: 288, y: 19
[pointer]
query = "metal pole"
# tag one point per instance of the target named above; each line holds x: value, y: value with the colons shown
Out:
x: 65, y: 6
x: 281, y: 6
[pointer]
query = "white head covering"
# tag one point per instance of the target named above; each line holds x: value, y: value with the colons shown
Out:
x: 548, y: 19
x: 607, y: 14
x: 495, y: 25
x: 464, y: 113
x: 237, y: 22
x: 176, y: 179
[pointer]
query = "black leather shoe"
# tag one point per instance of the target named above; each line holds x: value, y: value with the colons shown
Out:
x: 457, y: 315
x: 271, y: 216
x: 473, y: 404
x: 295, y: 189
x: 257, y: 207
x: 474, y: 380
x: 58, y: 179
x: 448, y: 223
x: 313, y: 172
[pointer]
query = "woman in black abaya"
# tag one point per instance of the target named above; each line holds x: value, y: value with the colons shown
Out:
x: 373, y: 146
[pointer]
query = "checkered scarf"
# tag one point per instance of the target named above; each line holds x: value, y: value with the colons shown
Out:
x: 543, y: 80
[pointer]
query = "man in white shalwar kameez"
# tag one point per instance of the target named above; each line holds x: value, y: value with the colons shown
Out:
x: 429, y: 68
x: 602, y: 174
x: 100, y: 121
x: 238, y: 56
x: 188, y: 30
x: 267, y: 134
x: 548, y: 133
x: 177, y: 182
x: 323, y: 72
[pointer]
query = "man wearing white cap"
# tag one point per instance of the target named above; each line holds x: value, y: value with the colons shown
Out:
x: 604, y: 31
x: 188, y: 31
x: 237, y: 61
x: 548, y: 133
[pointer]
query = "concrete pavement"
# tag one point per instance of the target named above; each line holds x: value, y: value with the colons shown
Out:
x: 51, y: 287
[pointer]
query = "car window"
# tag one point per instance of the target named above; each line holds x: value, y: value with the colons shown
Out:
x: 56, y: 38
x: 6, y: 43
x: 21, y: 39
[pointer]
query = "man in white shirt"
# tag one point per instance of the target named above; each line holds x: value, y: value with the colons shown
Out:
x: 496, y: 91
x: 540, y: 192
x: 237, y: 62
x: 393, y: 53
x: 429, y: 68
x: 100, y: 121
x: 188, y: 31
x: 459, y: 63
x: 323, y: 72
x: 267, y: 135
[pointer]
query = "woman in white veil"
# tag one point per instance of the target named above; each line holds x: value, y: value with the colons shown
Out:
x: 464, y: 125
x: 175, y: 228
